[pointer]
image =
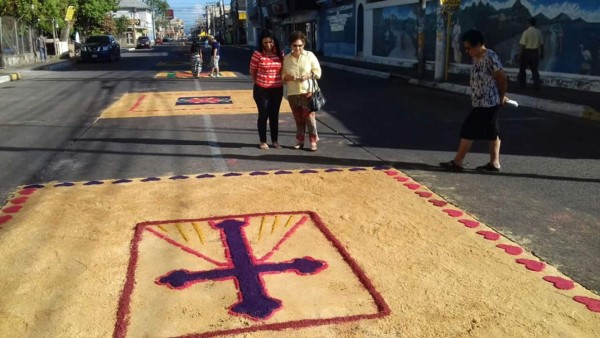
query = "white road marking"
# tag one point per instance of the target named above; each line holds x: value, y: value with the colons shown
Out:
x: 215, y: 150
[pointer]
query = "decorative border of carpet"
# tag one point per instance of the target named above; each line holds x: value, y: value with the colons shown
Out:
x: 8, y: 213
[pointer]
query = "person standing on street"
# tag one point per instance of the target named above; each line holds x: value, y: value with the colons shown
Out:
x: 488, y: 93
x: 41, y: 48
x: 215, y: 56
x: 196, y: 57
x: 265, y: 70
x: 298, y: 68
x: 532, y: 51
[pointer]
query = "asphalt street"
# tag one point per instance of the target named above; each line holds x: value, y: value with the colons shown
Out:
x: 545, y: 199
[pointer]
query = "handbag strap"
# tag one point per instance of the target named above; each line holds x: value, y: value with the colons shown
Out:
x: 314, y: 83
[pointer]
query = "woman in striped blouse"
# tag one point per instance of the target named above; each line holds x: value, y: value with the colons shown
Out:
x: 265, y: 70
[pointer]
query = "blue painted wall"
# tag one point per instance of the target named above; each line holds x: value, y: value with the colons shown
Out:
x: 337, y: 30
x: 571, y: 31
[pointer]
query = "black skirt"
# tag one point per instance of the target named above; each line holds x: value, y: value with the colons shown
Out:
x: 481, y: 124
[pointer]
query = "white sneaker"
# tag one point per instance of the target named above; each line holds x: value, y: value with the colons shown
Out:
x: 212, y: 75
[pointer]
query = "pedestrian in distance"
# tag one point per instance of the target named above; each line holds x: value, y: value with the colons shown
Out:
x: 299, y: 67
x: 41, y: 48
x: 532, y: 51
x: 265, y: 70
x: 196, y: 57
x: 488, y: 93
x: 215, y: 56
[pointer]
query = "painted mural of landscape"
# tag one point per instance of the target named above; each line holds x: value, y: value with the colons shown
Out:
x: 571, y: 31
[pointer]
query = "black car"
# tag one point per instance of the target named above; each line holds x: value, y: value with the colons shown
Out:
x: 101, y: 47
x: 143, y: 42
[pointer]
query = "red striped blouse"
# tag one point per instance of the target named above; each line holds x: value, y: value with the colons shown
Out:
x: 268, y: 67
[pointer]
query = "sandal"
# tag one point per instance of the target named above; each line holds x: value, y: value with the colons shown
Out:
x: 452, y: 166
x: 276, y: 145
x: 313, y: 147
x: 263, y: 146
x: 299, y: 146
x: 488, y: 167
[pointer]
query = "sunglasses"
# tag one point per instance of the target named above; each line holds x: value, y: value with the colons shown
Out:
x: 297, y: 46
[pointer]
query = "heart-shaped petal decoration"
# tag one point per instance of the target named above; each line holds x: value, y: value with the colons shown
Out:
x: 592, y: 304
x: 19, y: 200
x: 412, y: 186
x: 424, y: 194
x: 438, y: 203
x: 560, y: 283
x: 489, y: 235
x: 5, y: 218
x: 391, y: 172
x: 402, y: 179
x: 12, y: 210
x: 28, y: 191
x: 469, y: 223
x: 531, y: 264
x: 511, y: 249
x: 453, y: 213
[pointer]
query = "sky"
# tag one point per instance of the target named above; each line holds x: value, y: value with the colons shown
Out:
x: 188, y: 10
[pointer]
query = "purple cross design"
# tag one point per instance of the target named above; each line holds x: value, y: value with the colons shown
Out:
x: 246, y: 272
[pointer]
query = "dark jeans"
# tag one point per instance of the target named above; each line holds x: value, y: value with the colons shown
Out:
x: 530, y: 58
x: 268, y: 101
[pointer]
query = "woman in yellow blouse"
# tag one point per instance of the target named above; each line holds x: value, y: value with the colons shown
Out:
x: 298, y: 67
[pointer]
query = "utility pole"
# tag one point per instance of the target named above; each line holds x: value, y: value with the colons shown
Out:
x: 421, y: 39
x: 223, y: 24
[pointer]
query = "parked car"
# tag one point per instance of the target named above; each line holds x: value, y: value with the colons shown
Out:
x: 101, y: 47
x: 167, y: 39
x: 143, y: 42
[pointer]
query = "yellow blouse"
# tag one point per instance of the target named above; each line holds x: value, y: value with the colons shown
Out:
x: 303, y: 65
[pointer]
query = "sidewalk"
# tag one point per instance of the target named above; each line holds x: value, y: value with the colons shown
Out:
x: 14, y: 73
x: 558, y: 100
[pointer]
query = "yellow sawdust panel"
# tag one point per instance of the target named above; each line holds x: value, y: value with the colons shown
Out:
x: 165, y: 104
x: 326, y: 253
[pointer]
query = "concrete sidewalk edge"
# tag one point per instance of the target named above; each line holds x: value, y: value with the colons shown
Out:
x: 571, y: 109
x: 10, y: 77
x: 575, y: 110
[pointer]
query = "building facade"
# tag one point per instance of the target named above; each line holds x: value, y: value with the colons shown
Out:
x: 385, y: 31
x: 140, y: 20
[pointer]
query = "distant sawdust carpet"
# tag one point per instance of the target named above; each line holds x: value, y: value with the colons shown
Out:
x: 312, y: 253
x: 187, y: 74
x: 170, y: 104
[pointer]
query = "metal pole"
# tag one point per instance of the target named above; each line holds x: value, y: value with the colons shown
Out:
x: 439, y: 46
x: 54, y: 37
x: 449, y: 13
x: 421, y: 40
x: 16, y: 36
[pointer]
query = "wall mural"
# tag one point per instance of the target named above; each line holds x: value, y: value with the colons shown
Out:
x: 571, y: 31
x: 394, y: 32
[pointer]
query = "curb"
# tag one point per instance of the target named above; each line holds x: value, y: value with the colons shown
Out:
x: 571, y: 109
x: 10, y: 77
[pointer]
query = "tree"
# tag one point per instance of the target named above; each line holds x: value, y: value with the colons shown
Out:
x: 108, y: 25
x: 121, y: 25
x: 91, y: 14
